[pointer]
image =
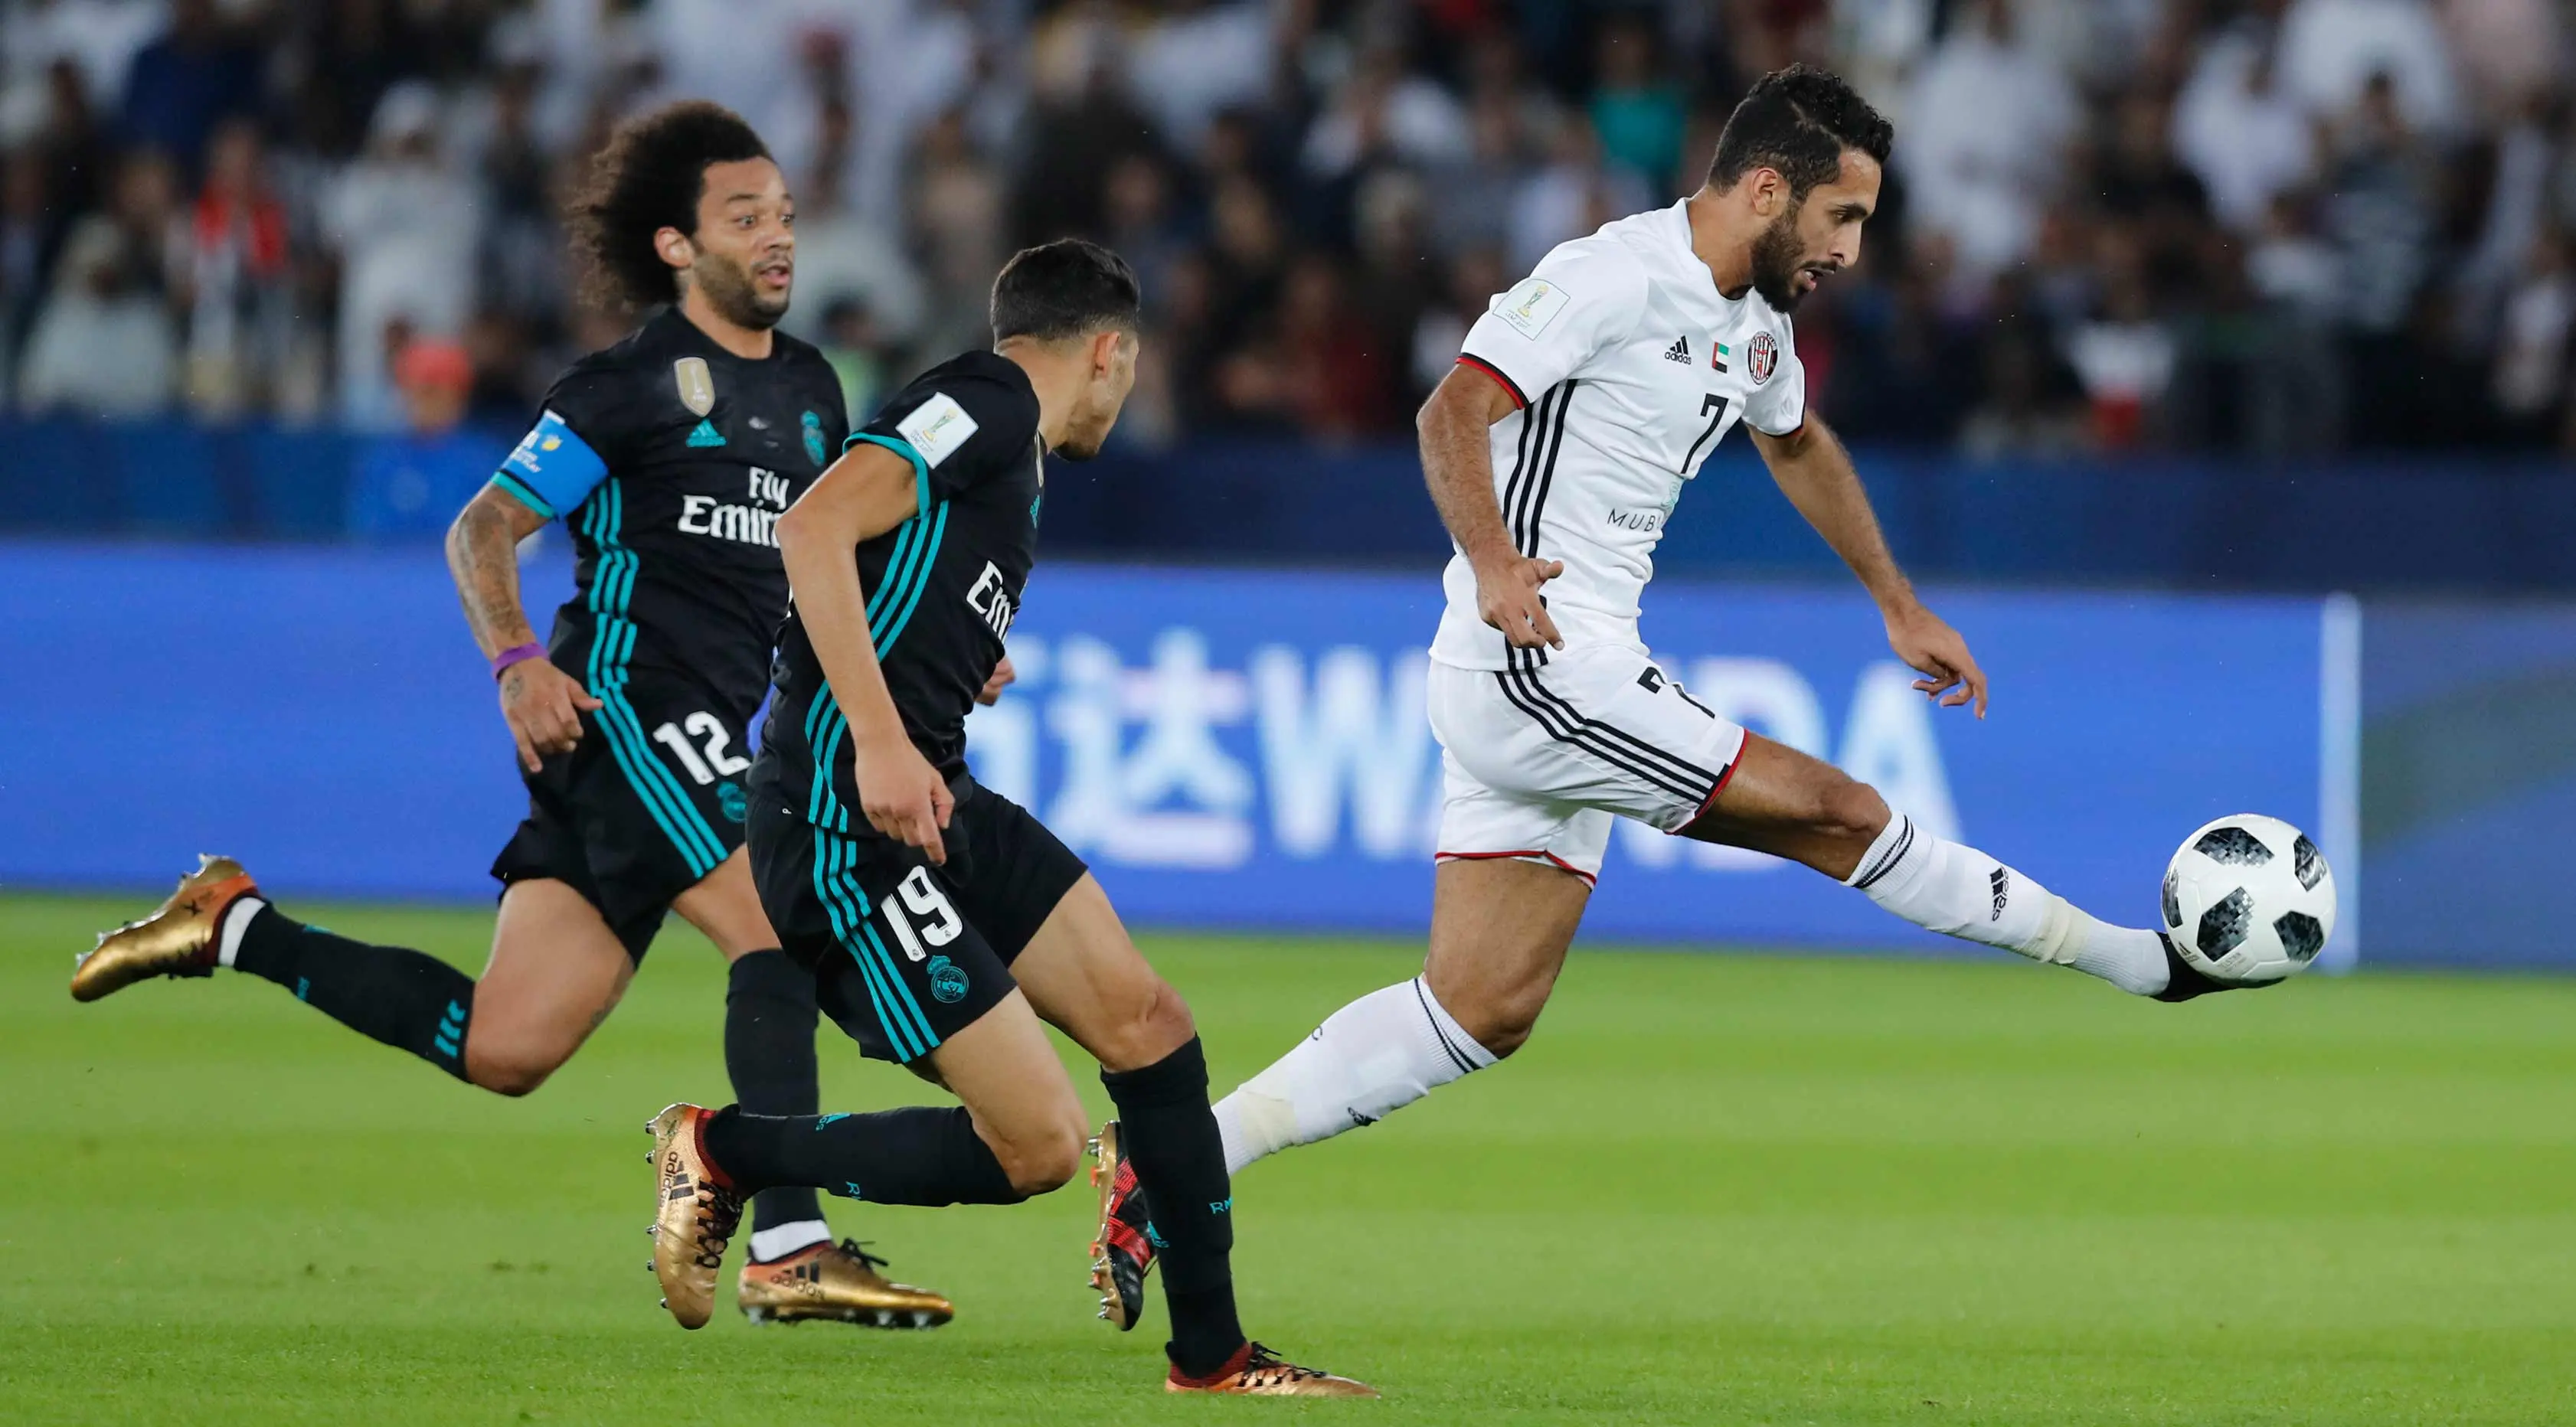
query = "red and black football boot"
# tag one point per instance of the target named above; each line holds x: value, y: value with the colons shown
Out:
x: 1122, y: 1252
x: 1255, y: 1371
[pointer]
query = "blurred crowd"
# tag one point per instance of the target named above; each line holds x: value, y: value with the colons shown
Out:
x: 2271, y: 226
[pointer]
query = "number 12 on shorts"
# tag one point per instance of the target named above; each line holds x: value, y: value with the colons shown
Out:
x: 940, y: 923
x: 718, y: 760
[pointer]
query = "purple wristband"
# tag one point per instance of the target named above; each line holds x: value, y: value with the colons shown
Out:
x: 502, y: 661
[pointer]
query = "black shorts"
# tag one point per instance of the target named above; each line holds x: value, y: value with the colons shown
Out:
x: 626, y: 819
x: 905, y: 954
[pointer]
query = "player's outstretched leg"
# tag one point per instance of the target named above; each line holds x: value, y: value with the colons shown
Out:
x: 770, y: 1019
x: 556, y: 970
x: 1020, y: 1132
x: 1499, y: 933
x: 407, y: 999
x: 1786, y: 803
x: 1500, y: 929
x: 796, y: 1271
x: 1084, y: 975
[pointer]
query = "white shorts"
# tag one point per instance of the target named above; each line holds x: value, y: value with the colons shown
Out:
x: 1538, y: 759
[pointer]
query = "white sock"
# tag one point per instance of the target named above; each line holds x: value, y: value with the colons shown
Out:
x: 236, y: 921
x: 1373, y: 1057
x: 1959, y: 891
x: 772, y: 1244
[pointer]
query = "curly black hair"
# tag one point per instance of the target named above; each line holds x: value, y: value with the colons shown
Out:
x: 648, y: 177
x: 1797, y: 121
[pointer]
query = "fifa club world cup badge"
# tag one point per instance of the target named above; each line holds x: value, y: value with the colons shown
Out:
x: 947, y: 982
x: 697, y: 385
x: 1761, y: 355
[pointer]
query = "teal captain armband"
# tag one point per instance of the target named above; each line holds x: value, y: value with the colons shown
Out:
x: 552, y: 470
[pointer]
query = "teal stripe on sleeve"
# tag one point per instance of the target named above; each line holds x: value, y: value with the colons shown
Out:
x: 517, y: 489
x: 903, y: 448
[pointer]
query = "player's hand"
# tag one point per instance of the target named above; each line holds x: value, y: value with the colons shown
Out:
x: 1507, y: 595
x: 1003, y: 677
x: 543, y: 706
x: 903, y: 796
x: 1929, y: 645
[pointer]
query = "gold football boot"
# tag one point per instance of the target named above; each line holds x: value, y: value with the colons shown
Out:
x: 838, y: 1282
x: 178, y: 939
x: 694, y: 1215
x: 1258, y: 1372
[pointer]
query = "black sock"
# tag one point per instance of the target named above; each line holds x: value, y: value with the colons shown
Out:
x: 1169, y: 1133
x: 769, y: 1054
x: 921, y: 1155
x: 408, y: 999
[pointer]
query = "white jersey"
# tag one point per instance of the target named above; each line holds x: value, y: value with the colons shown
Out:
x: 1628, y: 367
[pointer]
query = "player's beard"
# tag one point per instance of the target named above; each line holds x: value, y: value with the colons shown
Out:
x: 732, y: 293
x: 1776, y: 263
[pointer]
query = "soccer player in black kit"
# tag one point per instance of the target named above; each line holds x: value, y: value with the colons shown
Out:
x: 671, y: 457
x: 942, y: 921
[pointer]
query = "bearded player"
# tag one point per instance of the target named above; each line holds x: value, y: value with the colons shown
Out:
x: 671, y: 456
x: 1587, y: 394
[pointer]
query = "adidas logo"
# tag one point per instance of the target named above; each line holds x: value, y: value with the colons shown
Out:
x: 1679, y: 351
x: 706, y: 435
x: 2001, y: 883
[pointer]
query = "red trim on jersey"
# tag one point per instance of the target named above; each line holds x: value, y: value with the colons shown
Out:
x: 1725, y: 776
x: 1588, y: 878
x: 1510, y: 387
x: 1789, y: 435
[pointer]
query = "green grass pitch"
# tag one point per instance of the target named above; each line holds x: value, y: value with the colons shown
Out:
x: 1715, y: 1188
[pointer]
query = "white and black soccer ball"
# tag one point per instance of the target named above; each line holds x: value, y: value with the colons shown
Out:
x: 2248, y: 900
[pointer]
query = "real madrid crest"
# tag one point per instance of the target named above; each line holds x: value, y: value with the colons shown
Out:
x: 697, y: 386
x: 1761, y: 355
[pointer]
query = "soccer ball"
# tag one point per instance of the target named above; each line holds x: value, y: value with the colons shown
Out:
x: 2249, y: 900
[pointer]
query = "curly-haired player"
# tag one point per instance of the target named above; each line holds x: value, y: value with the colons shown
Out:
x: 670, y: 456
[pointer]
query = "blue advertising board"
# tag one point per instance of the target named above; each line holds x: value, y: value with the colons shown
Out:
x: 1227, y: 747
x: 1249, y: 746
x: 2469, y: 783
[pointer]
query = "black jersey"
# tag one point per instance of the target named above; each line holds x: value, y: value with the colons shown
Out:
x: 671, y: 459
x: 942, y: 588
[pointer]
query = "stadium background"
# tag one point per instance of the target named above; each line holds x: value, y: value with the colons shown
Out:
x: 2219, y: 392
x: 2248, y: 320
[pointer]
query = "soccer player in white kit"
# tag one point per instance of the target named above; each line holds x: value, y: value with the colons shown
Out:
x: 1585, y: 399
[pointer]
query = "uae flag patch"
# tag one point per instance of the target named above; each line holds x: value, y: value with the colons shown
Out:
x: 1717, y: 355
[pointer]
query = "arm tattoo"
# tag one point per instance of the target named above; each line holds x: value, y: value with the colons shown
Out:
x: 483, y: 556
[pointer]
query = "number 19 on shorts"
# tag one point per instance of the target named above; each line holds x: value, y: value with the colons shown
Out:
x: 939, y: 922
